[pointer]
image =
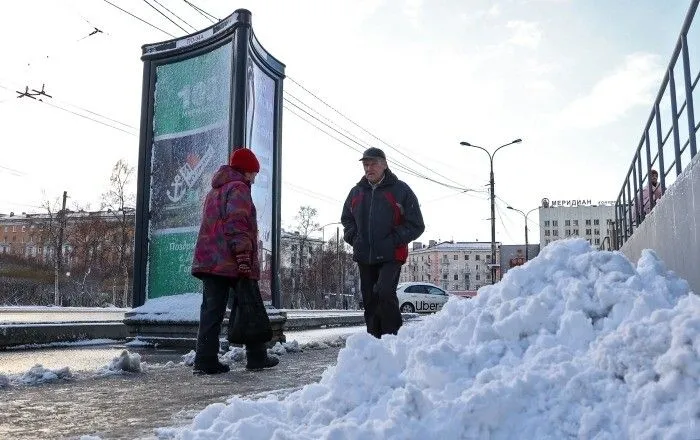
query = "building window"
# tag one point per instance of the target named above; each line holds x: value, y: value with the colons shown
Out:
x: 596, y: 222
x: 546, y: 232
x: 478, y: 277
x: 597, y: 241
x: 456, y: 256
x: 555, y: 232
x: 588, y: 222
x: 575, y: 222
x: 466, y: 258
x: 546, y: 223
x: 555, y: 223
x: 575, y: 231
x: 546, y: 242
x: 456, y: 277
x: 596, y: 231
x: 588, y: 232
x: 477, y: 258
x: 568, y: 232
x: 567, y: 222
x: 444, y: 276
x: 477, y: 267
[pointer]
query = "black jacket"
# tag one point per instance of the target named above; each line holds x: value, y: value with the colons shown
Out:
x: 379, y: 223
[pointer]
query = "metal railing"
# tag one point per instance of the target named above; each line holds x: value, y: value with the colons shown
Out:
x: 668, y: 142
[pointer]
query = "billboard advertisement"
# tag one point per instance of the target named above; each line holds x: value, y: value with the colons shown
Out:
x: 190, y: 142
x: 204, y: 94
x: 260, y: 130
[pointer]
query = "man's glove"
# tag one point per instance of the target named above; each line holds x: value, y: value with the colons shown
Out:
x: 243, y: 261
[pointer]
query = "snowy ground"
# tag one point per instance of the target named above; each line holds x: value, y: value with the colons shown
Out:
x: 575, y: 344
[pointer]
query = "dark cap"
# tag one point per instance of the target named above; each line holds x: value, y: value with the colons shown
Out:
x: 373, y: 153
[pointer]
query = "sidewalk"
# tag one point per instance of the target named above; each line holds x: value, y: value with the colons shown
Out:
x: 134, y: 405
x: 19, y: 328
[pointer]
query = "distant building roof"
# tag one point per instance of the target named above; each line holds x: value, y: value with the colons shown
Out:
x: 458, y: 246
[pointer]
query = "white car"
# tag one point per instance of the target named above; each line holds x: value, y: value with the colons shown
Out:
x: 420, y: 297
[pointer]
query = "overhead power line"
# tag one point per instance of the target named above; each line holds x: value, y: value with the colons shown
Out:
x: 364, y: 146
x: 85, y: 110
x: 368, y: 132
x: 87, y: 117
x: 175, y: 15
x: 202, y: 12
x: 139, y: 18
x: 166, y: 17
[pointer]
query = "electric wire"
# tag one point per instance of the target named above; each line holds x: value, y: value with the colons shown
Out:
x: 139, y: 18
x: 166, y: 17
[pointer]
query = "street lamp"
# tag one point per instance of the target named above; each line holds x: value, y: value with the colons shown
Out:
x: 527, y: 254
x: 493, y: 202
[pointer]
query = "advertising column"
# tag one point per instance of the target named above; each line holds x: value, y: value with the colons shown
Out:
x: 190, y: 142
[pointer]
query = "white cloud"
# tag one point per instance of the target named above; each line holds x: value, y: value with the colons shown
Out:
x: 413, y: 9
x: 525, y: 33
x: 632, y: 84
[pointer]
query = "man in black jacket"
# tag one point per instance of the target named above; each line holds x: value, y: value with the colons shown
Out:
x: 380, y: 217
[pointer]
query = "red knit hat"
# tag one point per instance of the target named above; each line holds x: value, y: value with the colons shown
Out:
x: 244, y: 160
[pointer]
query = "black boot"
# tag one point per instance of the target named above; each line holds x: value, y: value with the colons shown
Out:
x: 257, y: 358
x: 209, y: 366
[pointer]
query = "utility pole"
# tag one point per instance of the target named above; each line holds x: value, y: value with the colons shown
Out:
x: 493, y: 226
x: 59, y: 251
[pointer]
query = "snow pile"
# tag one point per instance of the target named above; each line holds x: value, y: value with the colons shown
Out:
x: 38, y: 374
x: 125, y: 362
x: 237, y: 354
x: 4, y: 381
x: 234, y: 354
x: 138, y: 343
x: 575, y: 344
x: 174, y: 308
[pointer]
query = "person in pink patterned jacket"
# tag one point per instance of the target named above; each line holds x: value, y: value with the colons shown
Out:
x: 226, y: 250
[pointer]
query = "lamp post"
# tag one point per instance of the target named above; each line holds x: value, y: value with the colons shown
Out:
x: 493, y: 202
x: 527, y: 252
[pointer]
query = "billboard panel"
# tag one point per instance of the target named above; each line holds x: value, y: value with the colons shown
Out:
x: 260, y: 130
x: 190, y: 142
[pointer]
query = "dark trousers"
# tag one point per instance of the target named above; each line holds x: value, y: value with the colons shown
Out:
x: 211, y: 314
x: 378, y: 285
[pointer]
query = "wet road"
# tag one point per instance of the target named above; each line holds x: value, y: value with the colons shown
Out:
x: 135, y: 405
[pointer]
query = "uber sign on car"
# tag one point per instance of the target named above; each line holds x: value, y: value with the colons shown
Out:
x: 420, y: 297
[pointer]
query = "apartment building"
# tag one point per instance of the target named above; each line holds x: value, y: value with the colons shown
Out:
x: 454, y: 266
x: 34, y: 236
x: 576, y: 218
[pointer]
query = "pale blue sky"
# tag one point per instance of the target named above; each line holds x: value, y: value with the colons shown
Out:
x: 575, y: 79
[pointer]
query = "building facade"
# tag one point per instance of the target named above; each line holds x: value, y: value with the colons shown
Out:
x: 454, y: 266
x: 513, y: 255
x: 580, y: 219
x: 84, y: 234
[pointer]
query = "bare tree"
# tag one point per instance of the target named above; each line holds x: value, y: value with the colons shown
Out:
x: 119, y: 200
x: 49, y: 235
x: 88, y: 235
x: 298, y: 246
